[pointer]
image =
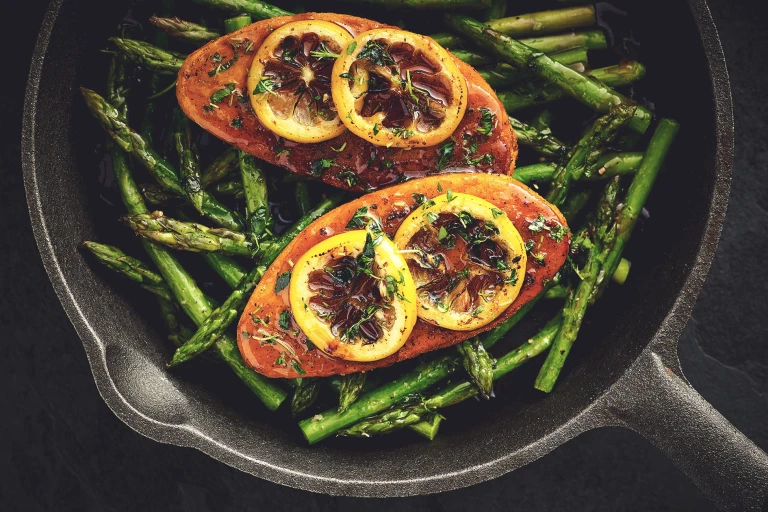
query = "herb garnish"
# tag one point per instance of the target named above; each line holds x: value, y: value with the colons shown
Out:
x: 445, y: 153
x: 376, y: 53
x: 282, y: 281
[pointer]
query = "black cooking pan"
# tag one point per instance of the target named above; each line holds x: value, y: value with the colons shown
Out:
x: 624, y: 370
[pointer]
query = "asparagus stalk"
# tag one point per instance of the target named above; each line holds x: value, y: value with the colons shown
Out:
x: 129, y: 267
x: 189, y: 166
x: 149, y: 56
x: 236, y: 23
x: 542, y: 142
x: 257, y: 9
x: 496, y: 10
x: 589, y: 39
x: 505, y: 75
x: 302, y: 197
x: 350, y: 389
x: 607, y: 166
x: 178, y: 330
x: 131, y: 142
x: 586, y: 152
x: 156, y: 196
x: 184, y: 289
x: 428, y: 427
x: 478, y: 364
x: 546, y: 22
x: 536, y: 93
x: 228, y: 269
x: 542, y: 120
x: 601, y: 239
x: 571, y: 82
x: 219, y: 319
x: 622, y: 271
x: 417, y: 380
x: 447, y: 40
x: 184, y: 30
x: 388, y: 421
x: 258, y: 220
x: 575, y: 202
x: 640, y: 188
x: 443, y: 5
x: 230, y: 188
x: 189, y: 236
x: 304, y: 395
x: 472, y: 58
x: 221, y: 167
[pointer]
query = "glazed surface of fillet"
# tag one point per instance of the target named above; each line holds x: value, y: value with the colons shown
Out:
x: 482, y: 142
x: 279, y: 349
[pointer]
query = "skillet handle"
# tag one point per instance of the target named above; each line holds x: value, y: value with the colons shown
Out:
x: 721, y: 461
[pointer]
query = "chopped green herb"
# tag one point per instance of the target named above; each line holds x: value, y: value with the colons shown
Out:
x: 529, y: 245
x: 496, y: 213
x: 419, y: 198
x: 376, y: 53
x: 538, y: 224
x: 512, y: 279
x: 340, y: 149
x: 349, y: 177
x: 266, y: 85
x: 218, y: 96
x: 351, y: 47
x: 449, y: 196
x: 282, y: 281
x: 445, y: 153
x: 318, y: 167
x: 558, y: 232
x: 285, y: 319
x: 439, y: 187
x: 280, y: 361
x: 297, y: 367
x: 401, y: 132
x: 375, y: 128
x: 323, y: 52
x: 477, y: 311
x: 487, y: 122
x: 237, y: 122
x: 432, y: 217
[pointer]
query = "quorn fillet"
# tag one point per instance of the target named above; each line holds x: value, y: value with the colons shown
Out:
x: 212, y: 91
x: 273, y: 345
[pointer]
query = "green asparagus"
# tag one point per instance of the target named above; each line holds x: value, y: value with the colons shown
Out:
x: 571, y: 82
x: 189, y: 167
x: 229, y: 188
x: 256, y: 8
x: 302, y: 197
x: 505, y: 75
x: 478, y: 364
x: 189, y: 236
x: 607, y: 166
x: 258, y: 219
x: 236, y: 23
x: 224, y: 165
x: 600, y: 241
x: 586, y: 152
x: 149, y: 56
x: 546, y: 22
x: 304, y: 395
x: 184, y: 30
x: 350, y: 389
x: 116, y: 126
x: 132, y: 268
x: 542, y: 142
x: 496, y: 10
x: 387, y: 421
x: 442, y: 5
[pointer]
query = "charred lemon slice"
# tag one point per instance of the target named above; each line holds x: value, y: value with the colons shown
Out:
x: 466, y: 258
x: 353, y: 296
x: 290, y: 80
x: 397, y: 88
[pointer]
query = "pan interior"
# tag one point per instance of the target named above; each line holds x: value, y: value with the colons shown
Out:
x: 125, y: 343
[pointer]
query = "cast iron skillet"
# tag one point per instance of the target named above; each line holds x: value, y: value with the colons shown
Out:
x: 624, y: 370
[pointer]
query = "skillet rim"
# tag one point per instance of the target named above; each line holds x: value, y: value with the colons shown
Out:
x: 664, y: 341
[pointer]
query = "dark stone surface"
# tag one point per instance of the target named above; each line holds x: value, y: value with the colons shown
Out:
x: 61, y: 448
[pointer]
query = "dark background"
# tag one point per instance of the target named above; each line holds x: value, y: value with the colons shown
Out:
x: 61, y: 447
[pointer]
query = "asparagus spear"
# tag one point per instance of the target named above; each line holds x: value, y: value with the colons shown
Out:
x: 350, y: 389
x: 542, y: 120
x: 536, y: 93
x: 640, y: 188
x: 442, y: 5
x: 586, y: 152
x: 472, y: 58
x: 542, y: 142
x: 230, y: 188
x: 496, y: 10
x: 302, y: 197
x: 571, y: 82
x: 478, y: 365
x: 236, y: 23
x: 189, y: 166
x: 256, y: 8
x: 607, y: 166
x: 387, y: 421
x: 189, y: 236
x: 130, y: 141
x: 622, y: 271
x: 546, y: 22
x: 417, y: 380
x: 156, y: 196
x: 149, y: 56
x: 304, y: 395
x: 178, y: 330
x: 194, y: 303
x: 184, y: 30
x: 575, y: 202
x: 221, y: 167
x: 258, y: 220
x: 504, y: 75
x: 213, y: 326
x: 447, y: 40
x: 132, y: 268
x: 588, y: 39
x: 600, y: 242
x: 428, y: 427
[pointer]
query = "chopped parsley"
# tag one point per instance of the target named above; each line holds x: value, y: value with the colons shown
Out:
x: 487, y: 122
x: 297, y: 367
x: 218, y: 96
x: 391, y: 286
x: 538, y: 224
x: 323, y: 52
x: 266, y: 85
x: 445, y: 153
x: 280, y: 361
x: 512, y: 279
x: 364, y: 219
x: 318, y: 167
x: 496, y: 213
x: 340, y: 149
x: 558, y: 232
x: 354, y: 330
x: 449, y: 196
x: 402, y: 133
x: 419, y: 198
x: 285, y: 320
x: 375, y: 128
x: 349, y: 177
x: 351, y: 47
x: 282, y: 281
x: 237, y: 122
x: 376, y: 53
